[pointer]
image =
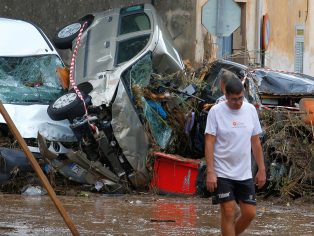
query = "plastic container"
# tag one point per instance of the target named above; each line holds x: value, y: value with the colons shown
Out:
x: 307, y: 106
x: 174, y: 174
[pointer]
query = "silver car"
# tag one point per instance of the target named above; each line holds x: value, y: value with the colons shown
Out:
x: 115, y: 46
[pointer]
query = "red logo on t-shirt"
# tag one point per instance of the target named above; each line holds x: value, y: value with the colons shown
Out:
x: 238, y: 124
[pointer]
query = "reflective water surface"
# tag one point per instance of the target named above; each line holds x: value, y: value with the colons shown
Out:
x: 143, y: 215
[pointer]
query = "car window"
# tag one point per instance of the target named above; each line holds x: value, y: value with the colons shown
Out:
x: 215, y: 87
x: 131, y: 47
x: 30, y: 79
x: 134, y: 23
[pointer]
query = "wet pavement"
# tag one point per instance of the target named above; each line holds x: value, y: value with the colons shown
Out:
x: 143, y: 215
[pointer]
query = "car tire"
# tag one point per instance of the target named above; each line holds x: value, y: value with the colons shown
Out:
x: 65, y: 36
x: 69, y: 106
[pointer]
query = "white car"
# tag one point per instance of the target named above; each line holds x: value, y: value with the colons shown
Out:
x: 29, y: 82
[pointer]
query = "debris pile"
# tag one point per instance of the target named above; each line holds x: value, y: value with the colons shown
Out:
x: 173, y: 111
x: 289, y: 153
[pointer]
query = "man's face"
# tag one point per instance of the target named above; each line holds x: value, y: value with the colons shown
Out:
x: 234, y: 101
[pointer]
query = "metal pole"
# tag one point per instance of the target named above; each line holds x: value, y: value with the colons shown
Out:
x: 258, y: 31
x: 219, y: 30
x: 38, y: 170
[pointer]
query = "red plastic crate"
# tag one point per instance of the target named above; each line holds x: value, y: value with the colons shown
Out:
x: 174, y: 174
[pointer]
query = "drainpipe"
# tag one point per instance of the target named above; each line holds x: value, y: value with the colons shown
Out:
x: 219, y: 22
x: 258, y: 31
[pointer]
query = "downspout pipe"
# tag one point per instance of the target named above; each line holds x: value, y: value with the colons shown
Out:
x: 258, y: 31
x: 219, y: 22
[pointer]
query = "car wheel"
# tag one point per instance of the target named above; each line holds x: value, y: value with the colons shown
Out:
x: 68, y: 106
x: 64, y: 37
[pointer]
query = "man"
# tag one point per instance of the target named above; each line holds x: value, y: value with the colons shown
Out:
x: 225, y: 76
x: 232, y: 129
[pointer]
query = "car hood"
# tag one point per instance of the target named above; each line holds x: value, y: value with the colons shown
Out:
x: 282, y: 83
x: 31, y: 119
x: 19, y: 33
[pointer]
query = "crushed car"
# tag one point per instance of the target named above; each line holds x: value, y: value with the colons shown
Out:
x: 118, y: 48
x: 282, y: 88
x: 29, y: 81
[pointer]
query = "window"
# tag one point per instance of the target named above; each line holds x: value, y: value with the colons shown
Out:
x: 134, y: 23
x: 131, y: 47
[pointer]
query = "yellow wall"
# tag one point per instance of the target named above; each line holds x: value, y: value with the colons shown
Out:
x: 283, y: 15
x: 309, y: 41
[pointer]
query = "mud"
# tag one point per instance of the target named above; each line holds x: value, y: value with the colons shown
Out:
x: 143, y: 215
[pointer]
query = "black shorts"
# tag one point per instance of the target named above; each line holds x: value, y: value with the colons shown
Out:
x: 238, y: 190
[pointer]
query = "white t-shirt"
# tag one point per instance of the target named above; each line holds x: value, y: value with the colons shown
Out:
x: 223, y: 99
x: 233, y: 130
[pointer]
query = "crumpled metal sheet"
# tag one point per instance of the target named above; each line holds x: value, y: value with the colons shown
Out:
x: 280, y: 83
x: 31, y: 119
x: 130, y: 133
x: 104, y: 88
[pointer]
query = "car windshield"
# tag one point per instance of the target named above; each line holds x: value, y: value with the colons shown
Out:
x: 134, y: 23
x: 27, y: 80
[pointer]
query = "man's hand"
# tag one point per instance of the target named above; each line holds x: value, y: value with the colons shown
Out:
x: 211, y: 181
x: 260, y: 178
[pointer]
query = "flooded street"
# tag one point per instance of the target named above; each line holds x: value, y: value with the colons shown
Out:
x: 143, y: 215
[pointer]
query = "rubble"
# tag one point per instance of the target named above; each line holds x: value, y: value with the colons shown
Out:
x: 174, y: 121
x: 289, y: 153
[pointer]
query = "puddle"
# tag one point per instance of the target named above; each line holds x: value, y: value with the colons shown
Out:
x: 142, y: 215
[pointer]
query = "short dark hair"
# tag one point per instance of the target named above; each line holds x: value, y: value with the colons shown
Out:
x: 227, y: 75
x: 234, y: 86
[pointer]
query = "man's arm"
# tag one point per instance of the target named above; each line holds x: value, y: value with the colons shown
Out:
x: 260, y: 178
x: 211, y: 179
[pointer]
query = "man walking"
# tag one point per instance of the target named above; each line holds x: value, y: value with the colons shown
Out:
x: 232, y: 129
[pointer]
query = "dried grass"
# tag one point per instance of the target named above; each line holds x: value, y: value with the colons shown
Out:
x: 289, y: 153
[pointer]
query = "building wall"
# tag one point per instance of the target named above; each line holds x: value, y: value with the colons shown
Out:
x: 284, y: 15
x: 180, y: 19
x: 183, y: 19
x: 309, y: 43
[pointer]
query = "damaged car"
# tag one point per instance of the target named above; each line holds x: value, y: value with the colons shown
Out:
x: 280, y: 88
x: 118, y: 48
x: 213, y: 78
x: 29, y: 81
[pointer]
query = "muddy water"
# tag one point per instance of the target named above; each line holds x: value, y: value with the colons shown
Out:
x: 142, y: 215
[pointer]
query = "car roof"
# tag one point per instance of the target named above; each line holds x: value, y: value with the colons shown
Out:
x: 284, y: 83
x: 23, y: 38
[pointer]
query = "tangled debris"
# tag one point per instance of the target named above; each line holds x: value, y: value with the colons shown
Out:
x: 173, y: 109
x: 174, y: 113
x: 289, y: 153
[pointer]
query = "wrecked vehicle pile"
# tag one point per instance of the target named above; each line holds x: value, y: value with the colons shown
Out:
x: 132, y: 98
x: 112, y: 143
